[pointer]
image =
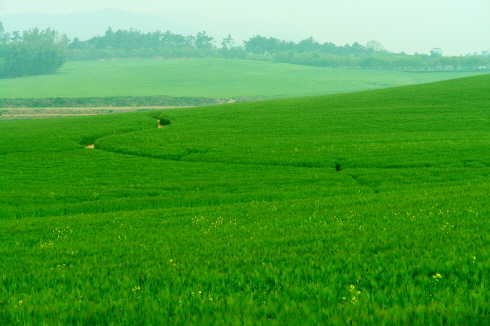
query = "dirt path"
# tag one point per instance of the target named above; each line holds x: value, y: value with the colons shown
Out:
x: 43, y: 113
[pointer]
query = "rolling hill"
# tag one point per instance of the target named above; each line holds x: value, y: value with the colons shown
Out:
x: 215, y: 78
x: 359, y: 208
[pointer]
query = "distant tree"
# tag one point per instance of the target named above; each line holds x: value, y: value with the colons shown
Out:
x: 238, y: 52
x: 286, y: 46
x: 285, y: 56
x: 262, y: 45
x: 357, y: 49
x: 373, y: 61
x: 328, y: 48
x: 344, y: 50
x: 76, y: 44
x: 308, y: 45
x: 375, y: 46
x: 475, y: 62
x: 272, y: 45
x: 4, y: 37
x: 226, y: 46
x: 173, y: 41
x: 190, y: 41
x: 447, y: 63
x: 256, y: 45
x: 34, y: 36
x: 228, y: 42
x: 38, y: 52
x: 16, y: 37
x: 203, y: 41
x: 108, y: 39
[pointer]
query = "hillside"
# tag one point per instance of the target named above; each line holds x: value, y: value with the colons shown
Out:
x: 212, y: 78
x: 364, y: 208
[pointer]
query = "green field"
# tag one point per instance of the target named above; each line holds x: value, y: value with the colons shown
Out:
x: 367, y: 208
x: 219, y: 78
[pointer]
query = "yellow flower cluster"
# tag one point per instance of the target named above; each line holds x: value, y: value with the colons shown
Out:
x: 437, y: 276
x: 355, y: 295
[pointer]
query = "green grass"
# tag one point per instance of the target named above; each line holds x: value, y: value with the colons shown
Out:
x: 219, y: 78
x: 366, y: 208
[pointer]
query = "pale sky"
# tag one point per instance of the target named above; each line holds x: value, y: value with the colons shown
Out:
x: 456, y: 26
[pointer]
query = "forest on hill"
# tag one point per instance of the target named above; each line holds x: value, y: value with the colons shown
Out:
x: 36, y: 52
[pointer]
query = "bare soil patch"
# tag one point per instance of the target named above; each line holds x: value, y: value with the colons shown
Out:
x: 43, y: 113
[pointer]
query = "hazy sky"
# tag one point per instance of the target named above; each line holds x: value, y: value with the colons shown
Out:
x: 456, y: 26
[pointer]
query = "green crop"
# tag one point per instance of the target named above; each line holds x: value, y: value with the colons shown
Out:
x: 219, y: 78
x: 366, y: 208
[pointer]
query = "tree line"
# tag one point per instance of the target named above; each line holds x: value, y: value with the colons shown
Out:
x: 370, y: 56
x: 34, y: 52
x: 387, y: 61
x: 135, y: 44
x: 43, y: 52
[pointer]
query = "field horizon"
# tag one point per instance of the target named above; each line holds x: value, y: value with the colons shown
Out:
x: 362, y: 208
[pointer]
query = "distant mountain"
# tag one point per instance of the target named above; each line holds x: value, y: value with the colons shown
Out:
x: 88, y: 24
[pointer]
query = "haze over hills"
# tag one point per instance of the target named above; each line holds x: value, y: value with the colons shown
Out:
x: 88, y: 24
